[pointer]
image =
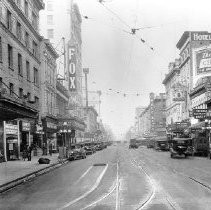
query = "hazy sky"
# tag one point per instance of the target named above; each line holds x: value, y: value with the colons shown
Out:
x: 121, y: 62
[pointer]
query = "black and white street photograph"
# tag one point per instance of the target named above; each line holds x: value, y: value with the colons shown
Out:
x: 105, y: 105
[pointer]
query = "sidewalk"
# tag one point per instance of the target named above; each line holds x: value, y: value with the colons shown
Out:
x: 12, y: 172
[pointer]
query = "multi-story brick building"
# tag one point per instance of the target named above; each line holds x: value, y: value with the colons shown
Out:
x: 175, y: 93
x: 61, y: 23
x: 91, y: 123
x: 19, y: 73
x: 48, y: 79
x: 189, y: 43
x: 157, y: 114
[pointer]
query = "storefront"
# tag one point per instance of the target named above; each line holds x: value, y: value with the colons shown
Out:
x: 50, y: 128
x: 69, y: 129
x: 25, y: 134
x: 11, y: 140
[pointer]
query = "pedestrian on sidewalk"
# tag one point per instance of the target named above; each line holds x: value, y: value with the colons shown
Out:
x: 24, y: 155
x: 50, y: 149
x: 29, y: 153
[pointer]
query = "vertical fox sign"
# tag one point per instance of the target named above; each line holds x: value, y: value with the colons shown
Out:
x: 72, y: 68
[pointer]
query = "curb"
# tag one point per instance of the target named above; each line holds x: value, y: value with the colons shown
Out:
x: 9, y: 185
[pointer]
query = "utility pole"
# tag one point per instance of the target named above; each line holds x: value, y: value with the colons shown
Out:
x: 86, y: 71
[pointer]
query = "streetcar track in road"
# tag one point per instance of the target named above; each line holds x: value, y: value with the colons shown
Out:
x: 88, y: 192
x: 195, y: 180
x: 152, y: 194
x: 84, y: 174
x: 115, y: 187
x: 171, y: 203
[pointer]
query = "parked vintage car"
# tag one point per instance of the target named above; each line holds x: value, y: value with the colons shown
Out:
x: 76, y: 152
x: 181, y: 147
x: 88, y: 150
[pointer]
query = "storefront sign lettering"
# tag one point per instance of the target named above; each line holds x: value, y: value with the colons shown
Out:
x: 26, y: 126
x: 51, y: 125
x: 72, y: 69
x: 201, y: 36
x: 11, y: 129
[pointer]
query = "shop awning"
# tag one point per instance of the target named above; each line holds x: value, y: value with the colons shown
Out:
x: 198, y: 125
x: 72, y: 123
x: 11, y: 109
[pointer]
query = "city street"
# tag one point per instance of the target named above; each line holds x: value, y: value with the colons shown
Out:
x: 118, y: 178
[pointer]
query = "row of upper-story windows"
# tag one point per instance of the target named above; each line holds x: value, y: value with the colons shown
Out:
x: 29, y: 11
x: 19, y: 30
x: 50, y: 71
x: 20, y: 92
x: 20, y: 63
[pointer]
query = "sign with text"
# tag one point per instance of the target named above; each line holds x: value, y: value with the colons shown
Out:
x: 199, y: 113
x: 201, y: 36
x: 203, y: 61
x: 72, y: 68
x: 11, y: 129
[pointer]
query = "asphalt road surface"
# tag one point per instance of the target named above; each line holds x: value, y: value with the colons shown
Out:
x: 118, y: 178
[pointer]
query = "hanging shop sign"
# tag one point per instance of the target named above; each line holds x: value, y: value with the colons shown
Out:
x: 39, y: 129
x: 25, y: 126
x: 72, y: 68
x: 51, y: 125
x: 11, y: 129
x: 199, y: 113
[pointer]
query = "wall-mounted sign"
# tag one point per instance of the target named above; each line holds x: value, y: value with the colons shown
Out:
x: 26, y: 126
x: 51, y: 125
x: 199, y: 113
x: 72, y: 68
x: 201, y: 36
x: 11, y: 129
x: 203, y: 61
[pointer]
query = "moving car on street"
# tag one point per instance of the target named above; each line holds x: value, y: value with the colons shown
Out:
x: 181, y: 147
